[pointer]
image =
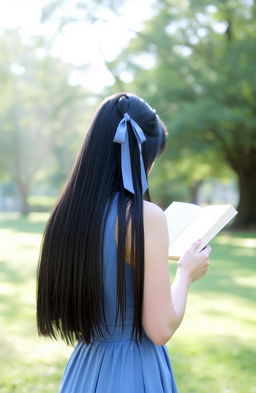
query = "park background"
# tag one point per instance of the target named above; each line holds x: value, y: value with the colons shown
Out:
x: 194, y: 62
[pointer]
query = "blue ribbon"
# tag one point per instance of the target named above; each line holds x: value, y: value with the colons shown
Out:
x: 121, y: 136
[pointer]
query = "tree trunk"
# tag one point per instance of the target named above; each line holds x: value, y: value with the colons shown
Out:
x: 246, y: 217
x: 194, y: 190
x: 23, y: 192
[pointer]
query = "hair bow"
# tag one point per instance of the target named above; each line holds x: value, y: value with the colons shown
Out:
x: 121, y: 136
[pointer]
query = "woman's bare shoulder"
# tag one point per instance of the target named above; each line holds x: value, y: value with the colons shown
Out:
x: 153, y: 213
x: 154, y: 219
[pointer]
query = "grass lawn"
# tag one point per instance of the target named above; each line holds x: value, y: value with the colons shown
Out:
x: 213, y: 351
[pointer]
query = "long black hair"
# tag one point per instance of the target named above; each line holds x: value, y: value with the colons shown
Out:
x: 70, y: 269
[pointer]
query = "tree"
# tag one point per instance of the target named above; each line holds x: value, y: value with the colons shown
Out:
x: 64, y: 13
x: 202, y: 80
x: 40, y: 114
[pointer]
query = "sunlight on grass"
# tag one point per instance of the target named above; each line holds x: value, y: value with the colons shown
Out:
x: 213, y: 350
x: 29, y: 361
x: 248, y: 242
x: 245, y: 281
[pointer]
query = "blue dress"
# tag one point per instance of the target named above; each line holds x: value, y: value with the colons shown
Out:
x: 117, y: 364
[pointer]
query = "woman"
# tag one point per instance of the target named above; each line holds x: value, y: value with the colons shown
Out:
x: 103, y: 278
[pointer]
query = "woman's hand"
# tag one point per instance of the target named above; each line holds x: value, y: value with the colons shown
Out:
x: 194, y: 263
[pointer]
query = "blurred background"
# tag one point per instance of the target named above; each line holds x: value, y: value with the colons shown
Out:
x: 194, y: 62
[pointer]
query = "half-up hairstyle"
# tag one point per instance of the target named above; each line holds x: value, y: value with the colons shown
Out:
x: 70, y: 268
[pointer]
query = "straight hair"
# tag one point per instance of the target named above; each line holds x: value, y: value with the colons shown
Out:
x: 70, y: 279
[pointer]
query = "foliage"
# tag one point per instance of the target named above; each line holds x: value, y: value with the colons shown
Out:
x: 42, y: 115
x: 201, y: 78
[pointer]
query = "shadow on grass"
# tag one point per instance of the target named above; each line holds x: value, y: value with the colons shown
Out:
x: 229, y: 263
x: 216, y: 364
x: 34, y: 223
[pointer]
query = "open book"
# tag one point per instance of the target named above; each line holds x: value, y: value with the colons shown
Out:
x: 188, y: 222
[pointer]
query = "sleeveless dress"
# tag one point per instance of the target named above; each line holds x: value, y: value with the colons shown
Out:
x: 116, y: 363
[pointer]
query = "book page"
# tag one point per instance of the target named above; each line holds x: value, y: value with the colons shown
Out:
x: 205, y: 223
x: 179, y: 216
x: 228, y: 214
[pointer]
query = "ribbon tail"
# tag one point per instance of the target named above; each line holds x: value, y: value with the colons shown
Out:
x: 140, y: 136
x: 126, y: 165
x: 144, y: 183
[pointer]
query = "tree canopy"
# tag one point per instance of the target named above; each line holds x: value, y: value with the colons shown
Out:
x: 195, y: 62
x: 42, y: 115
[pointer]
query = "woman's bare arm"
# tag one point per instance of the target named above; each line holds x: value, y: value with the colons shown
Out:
x: 163, y: 304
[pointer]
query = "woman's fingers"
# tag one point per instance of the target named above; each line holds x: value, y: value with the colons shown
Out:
x: 206, y: 251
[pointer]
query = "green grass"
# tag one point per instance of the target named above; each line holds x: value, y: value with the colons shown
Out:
x: 41, y: 203
x: 214, y: 350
